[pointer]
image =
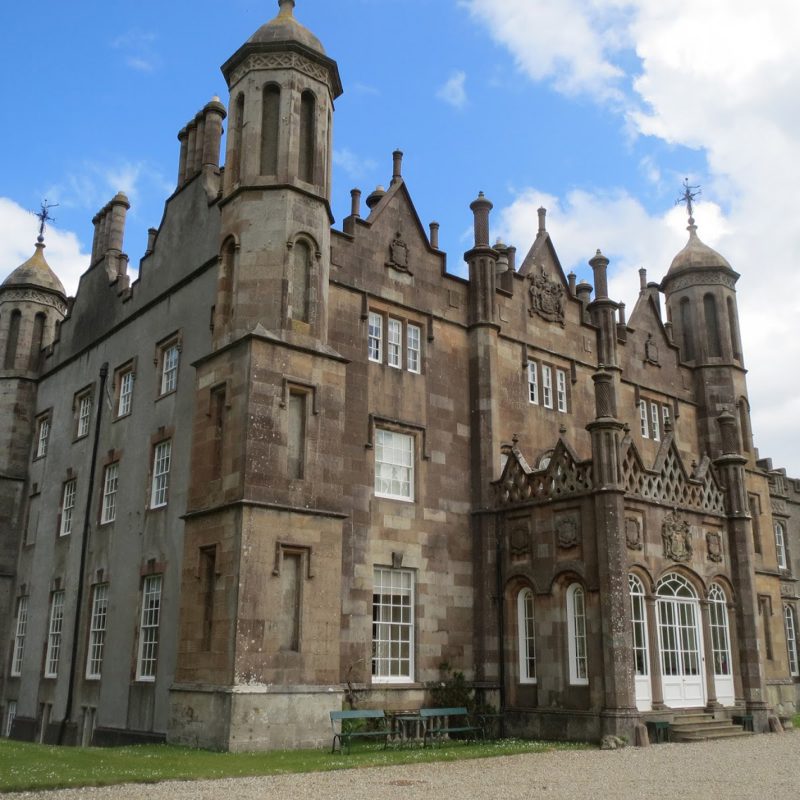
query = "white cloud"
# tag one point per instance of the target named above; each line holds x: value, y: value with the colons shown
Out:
x: 354, y: 165
x: 719, y: 77
x: 138, y: 49
x: 453, y: 91
x: 18, y: 231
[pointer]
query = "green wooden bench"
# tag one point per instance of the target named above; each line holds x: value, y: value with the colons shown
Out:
x: 345, y: 736
x: 441, y: 722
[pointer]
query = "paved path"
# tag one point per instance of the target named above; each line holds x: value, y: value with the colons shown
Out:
x: 751, y: 768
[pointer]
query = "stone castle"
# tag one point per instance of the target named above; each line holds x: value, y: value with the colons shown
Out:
x: 291, y: 464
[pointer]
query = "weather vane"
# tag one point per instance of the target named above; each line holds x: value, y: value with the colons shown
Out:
x: 688, y: 195
x: 44, y: 217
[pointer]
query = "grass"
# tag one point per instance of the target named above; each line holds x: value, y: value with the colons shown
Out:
x: 796, y: 721
x: 29, y: 767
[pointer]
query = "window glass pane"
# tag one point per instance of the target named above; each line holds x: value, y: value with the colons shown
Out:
x: 54, y: 635
x: 394, y: 465
x: 375, y: 337
x: 393, y: 343
x: 533, y: 383
x: 148, y: 629
x: 392, y: 625
x: 161, y: 463
x: 414, y: 346
x: 169, y: 368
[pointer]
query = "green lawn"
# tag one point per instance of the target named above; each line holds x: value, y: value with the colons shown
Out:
x: 33, y: 766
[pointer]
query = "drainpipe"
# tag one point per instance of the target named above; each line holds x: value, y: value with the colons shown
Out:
x: 501, y: 624
x: 84, y: 547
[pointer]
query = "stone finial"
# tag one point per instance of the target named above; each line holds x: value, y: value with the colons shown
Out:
x: 434, y: 226
x: 621, y: 311
x: 571, y: 280
x: 355, y: 202
x: 599, y: 265
x: 542, y: 212
x: 397, y: 166
x: 729, y: 433
x: 286, y: 8
x: 480, y: 208
x: 375, y: 197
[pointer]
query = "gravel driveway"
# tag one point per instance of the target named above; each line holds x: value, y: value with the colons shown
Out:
x: 751, y: 768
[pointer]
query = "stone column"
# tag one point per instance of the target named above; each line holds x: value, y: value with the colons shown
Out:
x: 655, y: 653
x: 214, y: 113
x: 183, y: 139
x: 708, y: 658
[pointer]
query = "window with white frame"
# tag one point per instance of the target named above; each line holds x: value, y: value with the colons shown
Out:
x: 159, y: 492
x: 125, y: 392
x: 108, y: 512
x: 375, y: 337
x: 394, y: 340
x: 394, y: 465
x: 525, y: 630
x: 576, y: 635
x: 68, y: 495
x: 19, y: 636
x: 547, y: 386
x: 561, y: 390
x: 97, y: 632
x: 533, y: 382
x: 639, y: 620
x: 413, y: 348
x: 84, y: 414
x: 780, y: 545
x: 666, y: 415
x: 392, y: 625
x: 54, y: 635
x: 790, y: 621
x: 720, y: 640
x: 643, y: 422
x: 11, y: 713
x: 147, y: 657
x: 42, y: 435
x: 170, y: 356
x: 655, y: 426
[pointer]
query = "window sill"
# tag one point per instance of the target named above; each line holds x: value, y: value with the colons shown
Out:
x: 166, y: 394
x: 394, y: 497
x: 121, y: 416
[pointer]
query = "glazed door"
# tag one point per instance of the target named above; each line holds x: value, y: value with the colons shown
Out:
x: 641, y: 657
x: 681, y: 645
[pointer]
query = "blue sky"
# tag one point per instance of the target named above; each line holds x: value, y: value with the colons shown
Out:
x: 595, y: 108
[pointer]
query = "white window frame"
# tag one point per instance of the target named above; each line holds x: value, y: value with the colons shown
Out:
x: 42, y: 435
x: 790, y: 623
x: 170, y: 361
x: 576, y: 635
x: 666, y: 416
x: 108, y: 512
x: 654, y: 422
x: 375, y: 337
x: 780, y: 544
x: 69, y: 494
x: 97, y: 632
x: 162, y: 460
x: 394, y: 343
x: 641, y: 642
x: 533, y: 383
x: 526, y: 635
x: 149, y: 620
x: 127, y: 379
x: 561, y: 390
x: 11, y: 713
x: 414, y: 348
x: 720, y: 636
x: 644, y: 423
x: 84, y: 415
x: 19, y: 636
x: 54, y: 633
x: 393, y: 625
x: 547, y: 386
x: 394, y: 464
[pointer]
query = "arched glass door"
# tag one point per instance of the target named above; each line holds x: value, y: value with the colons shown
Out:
x: 641, y: 659
x: 680, y: 642
x: 720, y: 645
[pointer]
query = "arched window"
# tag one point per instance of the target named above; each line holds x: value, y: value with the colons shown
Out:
x: 270, y: 129
x: 718, y: 618
x: 237, y: 152
x: 36, y: 340
x: 527, y: 647
x: 639, y: 618
x: 301, y: 266
x: 687, y: 329
x: 576, y: 632
x: 308, y: 113
x: 712, y: 325
x: 780, y: 545
x: 790, y: 620
x: 13, y: 339
x: 736, y: 347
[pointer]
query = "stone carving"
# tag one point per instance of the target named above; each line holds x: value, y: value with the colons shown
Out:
x: 519, y: 544
x: 633, y: 533
x: 567, y: 532
x: 651, y: 350
x: 677, y: 537
x: 778, y: 507
x: 398, y: 254
x: 35, y: 296
x: 706, y: 278
x: 547, y: 297
x: 714, y: 546
x: 277, y: 61
x: 787, y: 590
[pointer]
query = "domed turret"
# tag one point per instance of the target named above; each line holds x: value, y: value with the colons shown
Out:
x: 35, y: 272
x: 696, y: 255
x: 285, y: 28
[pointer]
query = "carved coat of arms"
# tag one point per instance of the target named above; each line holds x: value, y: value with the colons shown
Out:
x: 547, y: 297
x: 677, y: 537
x: 633, y: 533
x: 714, y: 546
x: 398, y: 254
x: 567, y: 532
x: 519, y: 541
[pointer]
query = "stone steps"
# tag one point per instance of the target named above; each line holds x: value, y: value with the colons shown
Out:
x: 702, y: 727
